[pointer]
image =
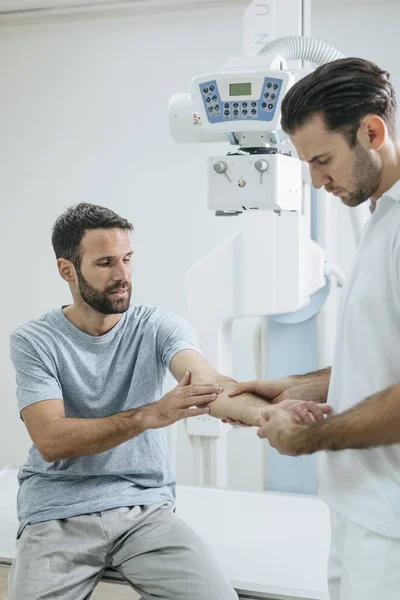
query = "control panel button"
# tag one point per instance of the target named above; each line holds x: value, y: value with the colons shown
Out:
x: 254, y: 104
x: 205, y: 90
x: 269, y: 85
x: 226, y: 105
x: 244, y: 104
x: 270, y: 106
x: 275, y: 86
x: 261, y: 165
x: 215, y: 98
x: 226, y: 112
x: 266, y: 95
x: 235, y: 112
x: 264, y: 105
x: 212, y: 88
x: 253, y: 111
x: 244, y: 111
x: 208, y: 99
x: 220, y: 167
x: 217, y: 107
x: 211, y: 109
x: 273, y: 96
x: 235, y: 105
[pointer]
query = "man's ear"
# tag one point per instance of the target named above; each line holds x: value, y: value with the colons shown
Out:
x: 66, y: 270
x: 372, y: 133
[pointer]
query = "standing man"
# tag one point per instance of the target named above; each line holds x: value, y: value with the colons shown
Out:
x: 341, y: 120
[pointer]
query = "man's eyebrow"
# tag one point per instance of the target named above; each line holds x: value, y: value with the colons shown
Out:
x: 317, y: 157
x: 111, y: 257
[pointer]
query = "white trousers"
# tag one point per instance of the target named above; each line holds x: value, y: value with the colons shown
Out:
x: 363, y: 565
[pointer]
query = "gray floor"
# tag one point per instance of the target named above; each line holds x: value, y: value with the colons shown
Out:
x: 104, y: 591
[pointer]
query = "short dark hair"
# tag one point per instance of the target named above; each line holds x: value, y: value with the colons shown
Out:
x: 71, y: 226
x: 342, y: 92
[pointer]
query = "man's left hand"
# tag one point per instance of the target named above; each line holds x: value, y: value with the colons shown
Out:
x: 282, y: 433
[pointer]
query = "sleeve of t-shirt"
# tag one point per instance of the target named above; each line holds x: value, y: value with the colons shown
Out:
x: 35, y: 373
x: 174, y: 334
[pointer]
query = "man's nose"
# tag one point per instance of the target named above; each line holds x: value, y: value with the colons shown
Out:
x: 319, y: 178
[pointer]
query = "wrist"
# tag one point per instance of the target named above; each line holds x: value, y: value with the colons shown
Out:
x: 310, y: 439
x: 143, y: 419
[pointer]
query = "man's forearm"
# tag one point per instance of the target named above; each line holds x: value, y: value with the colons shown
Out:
x: 70, y: 438
x: 246, y: 408
x: 318, y: 380
x: 373, y: 422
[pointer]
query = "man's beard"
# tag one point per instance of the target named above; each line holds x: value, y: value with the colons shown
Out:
x: 367, y: 178
x: 101, y: 300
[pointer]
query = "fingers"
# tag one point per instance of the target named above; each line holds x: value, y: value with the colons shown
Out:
x: 309, y: 412
x: 302, y: 414
x: 266, y: 414
x: 316, y: 411
x: 185, y: 379
x: 198, y: 400
x: 235, y: 423
x: 243, y: 387
x: 201, y: 389
x: 194, y: 412
x: 262, y: 432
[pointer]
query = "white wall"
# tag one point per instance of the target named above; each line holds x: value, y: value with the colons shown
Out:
x: 83, y: 117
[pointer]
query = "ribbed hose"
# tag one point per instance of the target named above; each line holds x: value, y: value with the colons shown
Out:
x: 297, y: 47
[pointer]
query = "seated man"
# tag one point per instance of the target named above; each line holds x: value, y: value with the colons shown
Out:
x: 98, y: 487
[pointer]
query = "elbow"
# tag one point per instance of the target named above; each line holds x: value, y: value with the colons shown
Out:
x: 47, y: 457
x: 49, y: 453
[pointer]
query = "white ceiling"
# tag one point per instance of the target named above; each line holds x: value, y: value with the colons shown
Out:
x: 27, y: 6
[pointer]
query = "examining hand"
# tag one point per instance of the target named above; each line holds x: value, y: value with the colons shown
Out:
x: 282, y: 433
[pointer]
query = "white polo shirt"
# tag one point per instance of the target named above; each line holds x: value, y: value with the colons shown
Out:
x: 364, y: 485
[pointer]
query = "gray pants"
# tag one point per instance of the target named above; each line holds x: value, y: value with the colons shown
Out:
x: 151, y: 547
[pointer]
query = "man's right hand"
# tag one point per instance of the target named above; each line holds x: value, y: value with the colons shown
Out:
x: 277, y: 390
x: 302, y: 398
x: 184, y: 401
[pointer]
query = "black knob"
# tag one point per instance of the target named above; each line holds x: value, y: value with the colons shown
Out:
x: 270, y: 106
x: 235, y: 112
x: 205, y: 90
x: 226, y: 112
x: 275, y: 86
x: 253, y: 111
x: 208, y: 99
x: 273, y: 96
x: 226, y: 104
x: 269, y: 84
x: 254, y: 104
x: 215, y: 98
x: 244, y: 111
x: 264, y: 105
x: 244, y: 104
x: 212, y: 88
x: 211, y: 109
x: 217, y: 107
x: 235, y: 105
x: 266, y: 95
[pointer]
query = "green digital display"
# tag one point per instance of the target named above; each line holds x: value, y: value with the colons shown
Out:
x: 240, y: 89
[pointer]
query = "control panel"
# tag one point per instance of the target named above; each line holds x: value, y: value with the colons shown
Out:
x: 240, y: 104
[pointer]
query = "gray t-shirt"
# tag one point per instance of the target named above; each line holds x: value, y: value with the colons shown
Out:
x: 97, y: 377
